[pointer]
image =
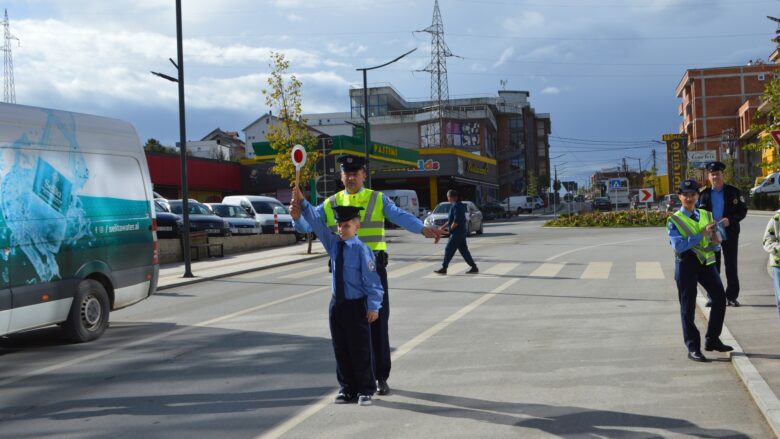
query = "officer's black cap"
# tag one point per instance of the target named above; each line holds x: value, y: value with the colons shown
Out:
x: 688, y: 186
x: 346, y: 213
x: 715, y: 166
x: 351, y: 163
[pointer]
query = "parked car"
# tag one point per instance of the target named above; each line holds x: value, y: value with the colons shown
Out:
x: 442, y: 211
x: 669, y: 203
x: 201, y: 218
x: 169, y: 224
x: 579, y: 198
x: 241, y: 223
x: 494, y: 210
x: 601, y: 203
x: 264, y: 209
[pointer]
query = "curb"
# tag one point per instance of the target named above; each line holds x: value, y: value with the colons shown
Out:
x: 236, y: 272
x: 763, y: 395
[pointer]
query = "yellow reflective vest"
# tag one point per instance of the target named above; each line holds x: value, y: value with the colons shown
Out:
x: 372, y: 217
x: 688, y: 227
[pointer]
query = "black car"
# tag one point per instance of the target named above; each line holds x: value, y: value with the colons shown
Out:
x: 169, y: 224
x: 601, y: 203
x: 241, y: 223
x: 493, y: 210
x: 201, y: 218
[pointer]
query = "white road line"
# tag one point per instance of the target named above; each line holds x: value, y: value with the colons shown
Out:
x: 452, y: 269
x: 548, y: 269
x: 327, y: 400
x: 649, y: 270
x: 300, y: 274
x: 499, y: 269
x: 594, y: 246
x: 143, y: 341
x: 597, y: 270
x: 408, y: 269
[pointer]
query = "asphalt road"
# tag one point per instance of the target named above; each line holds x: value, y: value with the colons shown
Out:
x: 564, y: 333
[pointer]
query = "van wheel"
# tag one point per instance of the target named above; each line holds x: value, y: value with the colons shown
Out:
x: 88, y: 317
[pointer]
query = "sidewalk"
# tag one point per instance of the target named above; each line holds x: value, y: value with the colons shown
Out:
x: 171, y: 275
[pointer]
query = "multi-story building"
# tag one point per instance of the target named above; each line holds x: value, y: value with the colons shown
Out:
x: 716, y: 103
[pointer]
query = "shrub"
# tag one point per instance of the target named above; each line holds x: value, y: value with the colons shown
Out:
x: 626, y: 218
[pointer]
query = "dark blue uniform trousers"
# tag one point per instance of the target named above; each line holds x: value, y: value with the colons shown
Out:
x: 457, y: 241
x: 379, y: 330
x: 351, y: 335
x: 729, y: 250
x: 688, y: 272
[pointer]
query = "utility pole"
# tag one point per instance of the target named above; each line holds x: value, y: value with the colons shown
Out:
x: 655, y: 168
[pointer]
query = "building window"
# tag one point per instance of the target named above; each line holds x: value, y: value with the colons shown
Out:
x: 466, y: 134
x: 429, y: 135
x: 542, y: 148
x: 516, y: 134
x: 377, y: 106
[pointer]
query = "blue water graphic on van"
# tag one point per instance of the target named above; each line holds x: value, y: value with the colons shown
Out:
x: 39, y: 204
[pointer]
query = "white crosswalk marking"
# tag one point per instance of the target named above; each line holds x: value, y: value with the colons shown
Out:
x: 548, y: 269
x: 499, y: 269
x: 597, y: 270
x: 411, y: 268
x: 300, y: 274
x: 649, y: 270
x: 269, y: 271
x: 452, y: 269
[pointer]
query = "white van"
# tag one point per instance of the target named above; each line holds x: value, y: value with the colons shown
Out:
x: 406, y: 199
x: 519, y: 204
x: 77, y: 229
x: 770, y: 185
x: 263, y: 209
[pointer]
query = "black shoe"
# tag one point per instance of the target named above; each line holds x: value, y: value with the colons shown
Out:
x: 733, y: 303
x: 344, y: 398
x: 382, y: 388
x: 364, y: 400
x: 441, y: 270
x: 709, y: 303
x: 697, y: 356
x: 473, y: 270
x: 717, y: 345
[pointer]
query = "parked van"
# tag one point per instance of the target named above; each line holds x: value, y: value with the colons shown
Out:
x: 519, y: 204
x: 77, y: 227
x: 263, y: 209
x: 406, y: 199
x: 770, y: 185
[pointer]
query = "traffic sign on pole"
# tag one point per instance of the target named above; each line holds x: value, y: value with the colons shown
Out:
x: 646, y: 195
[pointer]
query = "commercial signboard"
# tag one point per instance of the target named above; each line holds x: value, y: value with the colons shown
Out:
x: 676, y: 148
x: 699, y: 159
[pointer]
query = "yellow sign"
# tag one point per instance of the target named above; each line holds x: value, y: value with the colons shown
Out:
x: 667, y: 137
x: 385, y: 150
x: 477, y: 168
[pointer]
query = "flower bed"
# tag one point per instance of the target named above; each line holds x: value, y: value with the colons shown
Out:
x: 626, y: 218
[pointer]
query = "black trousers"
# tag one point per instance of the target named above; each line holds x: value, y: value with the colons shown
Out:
x: 351, y: 336
x: 729, y: 249
x: 688, y: 272
x: 457, y: 242
x: 379, y: 328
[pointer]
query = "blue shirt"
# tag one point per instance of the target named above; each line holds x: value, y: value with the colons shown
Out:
x: 393, y: 213
x: 457, y: 216
x: 717, y: 200
x: 680, y: 244
x: 360, y: 276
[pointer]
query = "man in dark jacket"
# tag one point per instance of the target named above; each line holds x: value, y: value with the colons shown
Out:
x: 458, y: 226
x: 728, y: 209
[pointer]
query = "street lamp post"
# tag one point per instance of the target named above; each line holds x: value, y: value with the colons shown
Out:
x: 182, y: 141
x: 366, y: 130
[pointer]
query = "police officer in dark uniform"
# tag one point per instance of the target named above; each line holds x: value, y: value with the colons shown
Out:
x: 728, y: 207
x: 692, y: 235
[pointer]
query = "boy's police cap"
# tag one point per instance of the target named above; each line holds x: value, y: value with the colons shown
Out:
x: 351, y: 163
x: 346, y: 213
x: 715, y: 166
x: 688, y: 186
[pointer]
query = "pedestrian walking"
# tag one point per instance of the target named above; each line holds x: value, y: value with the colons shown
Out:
x: 377, y: 207
x: 728, y: 208
x: 772, y: 246
x: 355, y: 302
x: 693, y: 236
x: 459, y: 230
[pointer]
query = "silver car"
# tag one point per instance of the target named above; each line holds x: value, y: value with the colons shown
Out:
x: 442, y: 211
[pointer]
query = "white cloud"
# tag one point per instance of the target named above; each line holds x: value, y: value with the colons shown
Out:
x: 524, y: 21
x: 505, y: 55
x: 295, y: 18
x: 341, y: 49
x: 551, y: 91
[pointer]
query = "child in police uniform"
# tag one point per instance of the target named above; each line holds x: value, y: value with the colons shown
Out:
x: 357, y: 298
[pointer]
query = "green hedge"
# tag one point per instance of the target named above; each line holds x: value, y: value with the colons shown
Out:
x: 626, y: 218
x: 763, y: 202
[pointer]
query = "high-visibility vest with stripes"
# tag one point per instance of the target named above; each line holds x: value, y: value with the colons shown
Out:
x: 704, y: 250
x: 372, y: 218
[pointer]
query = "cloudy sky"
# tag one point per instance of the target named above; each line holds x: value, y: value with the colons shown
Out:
x: 605, y: 70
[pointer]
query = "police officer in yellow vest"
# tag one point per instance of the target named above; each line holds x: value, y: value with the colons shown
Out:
x: 377, y: 207
x: 693, y: 235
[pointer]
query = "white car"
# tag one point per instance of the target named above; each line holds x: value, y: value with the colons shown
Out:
x: 264, y: 210
x: 442, y: 211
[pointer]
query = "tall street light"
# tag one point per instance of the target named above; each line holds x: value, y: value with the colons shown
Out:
x: 182, y: 141
x: 365, y: 111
